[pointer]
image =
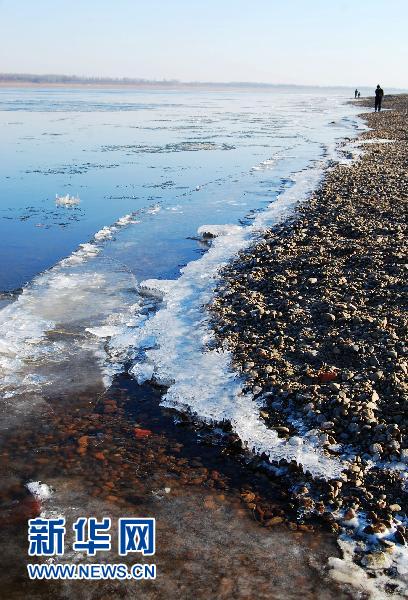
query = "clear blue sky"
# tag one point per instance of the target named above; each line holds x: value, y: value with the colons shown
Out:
x: 351, y: 42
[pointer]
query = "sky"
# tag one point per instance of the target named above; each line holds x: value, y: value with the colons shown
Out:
x: 322, y: 42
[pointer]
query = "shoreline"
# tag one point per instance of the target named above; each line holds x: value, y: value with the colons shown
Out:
x: 117, y: 451
x: 312, y: 314
x: 185, y: 87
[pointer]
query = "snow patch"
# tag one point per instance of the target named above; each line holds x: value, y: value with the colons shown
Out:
x: 40, y: 491
x: 67, y: 200
x: 212, y: 231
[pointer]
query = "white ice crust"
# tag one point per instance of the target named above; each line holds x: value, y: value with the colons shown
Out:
x: 200, y: 379
x: 70, y: 291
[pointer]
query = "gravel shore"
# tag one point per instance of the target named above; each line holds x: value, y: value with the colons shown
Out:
x: 314, y: 315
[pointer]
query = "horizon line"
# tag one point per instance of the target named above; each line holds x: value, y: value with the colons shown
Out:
x: 54, y: 78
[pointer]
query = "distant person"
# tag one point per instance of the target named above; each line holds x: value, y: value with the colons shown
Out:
x: 358, y: 95
x: 379, y: 93
x: 355, y: 93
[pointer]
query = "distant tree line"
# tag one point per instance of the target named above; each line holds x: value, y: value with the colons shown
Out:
x: 51, y: 78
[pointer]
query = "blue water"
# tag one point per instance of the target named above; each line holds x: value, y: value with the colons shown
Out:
x: 173, y: 161
x: 191, y: 154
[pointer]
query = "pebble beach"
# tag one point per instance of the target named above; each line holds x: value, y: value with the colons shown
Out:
x: 314, y: 314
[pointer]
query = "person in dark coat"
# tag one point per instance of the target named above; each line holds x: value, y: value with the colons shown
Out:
x: 355, y: 93
x: 379, y: 93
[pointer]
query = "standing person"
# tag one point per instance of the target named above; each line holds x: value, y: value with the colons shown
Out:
x: 355, y: 93
x: 358, y: 95
x: 379, y: 93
